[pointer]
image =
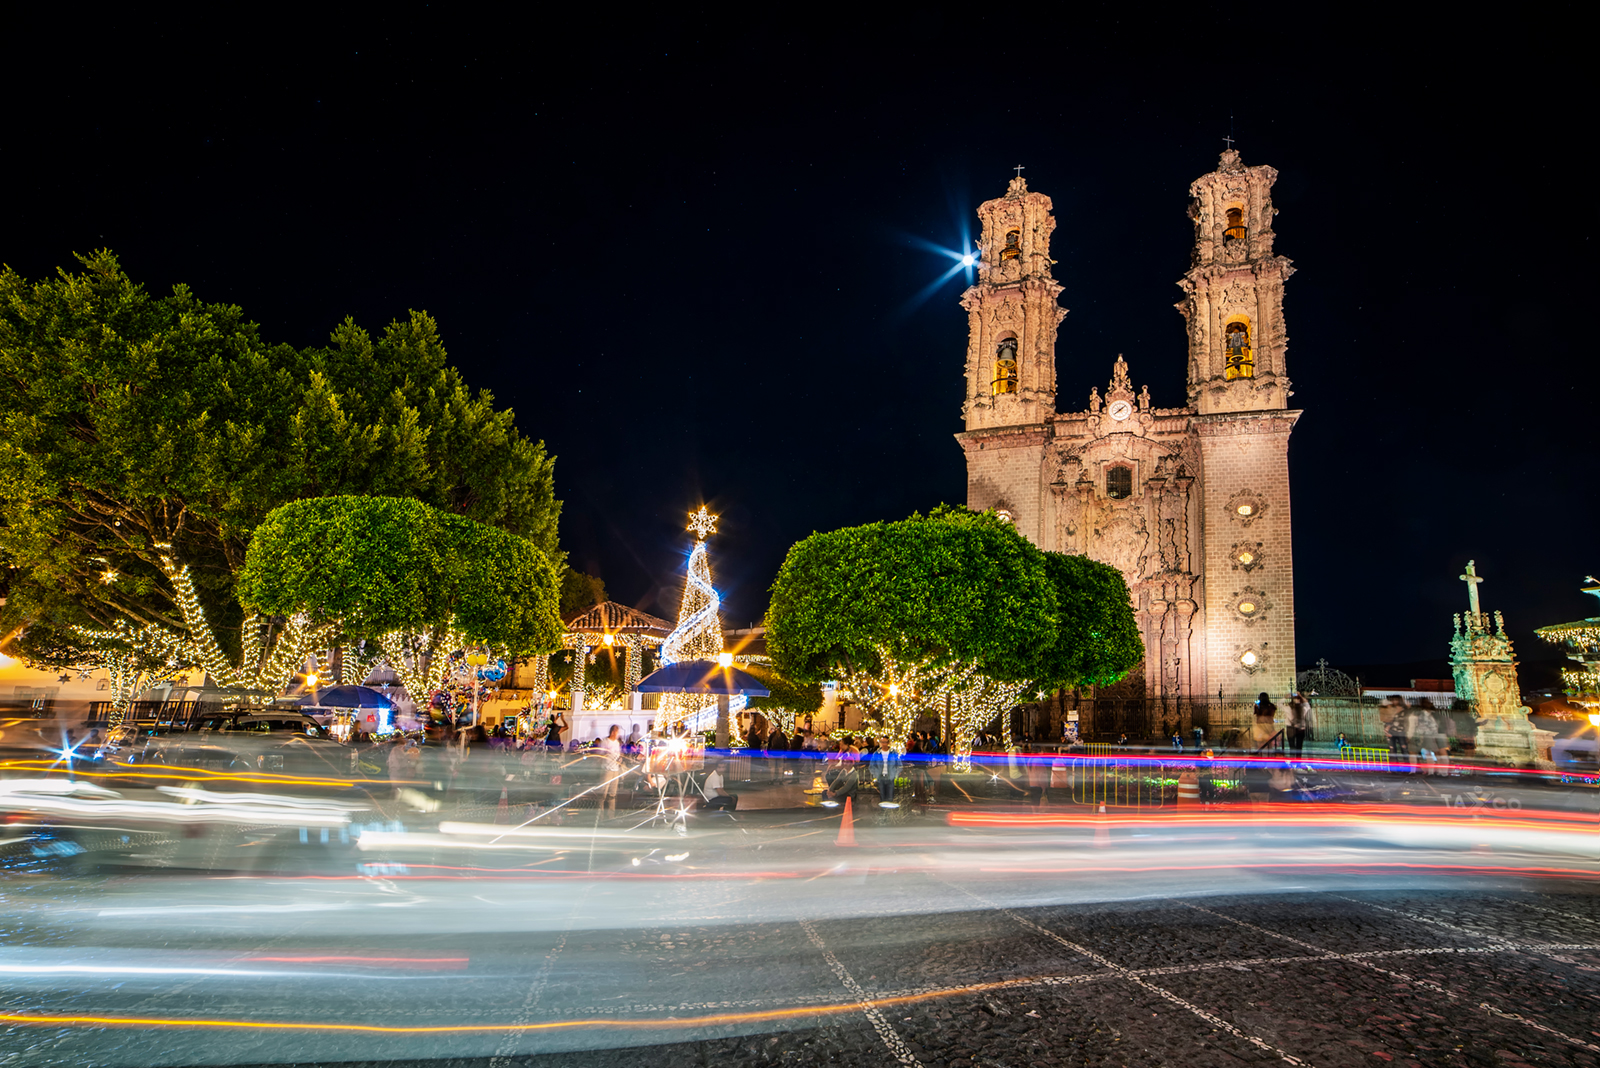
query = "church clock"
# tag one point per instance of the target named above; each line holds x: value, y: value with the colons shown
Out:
x: 1119, y: 410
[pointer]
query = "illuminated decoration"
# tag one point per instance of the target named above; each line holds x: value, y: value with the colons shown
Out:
x: 134, y: 659
x: 1580, y: 640
x: 900, y: 692
x: 1249, y: 658
x: 109, y: 575
x: 698, y: 635
x: 615, y: 625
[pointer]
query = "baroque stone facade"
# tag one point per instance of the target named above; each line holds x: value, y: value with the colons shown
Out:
x: 1191, y: 504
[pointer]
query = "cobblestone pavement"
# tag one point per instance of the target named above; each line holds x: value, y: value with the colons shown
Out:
x: 1502, y: 977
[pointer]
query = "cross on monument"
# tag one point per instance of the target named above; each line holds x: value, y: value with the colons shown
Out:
x: 1471, y: 579
x: 702, y: 523
x: 1228, y: 141
x: 1018, y: 168
x: 1322, y: 665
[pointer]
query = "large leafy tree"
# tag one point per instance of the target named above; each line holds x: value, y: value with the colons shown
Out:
x: 143, y: 438
x: 404, y: 578
x: 954, y: 612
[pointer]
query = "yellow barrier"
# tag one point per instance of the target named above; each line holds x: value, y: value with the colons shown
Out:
x: 1102, y: 780
x: 1361, y: 758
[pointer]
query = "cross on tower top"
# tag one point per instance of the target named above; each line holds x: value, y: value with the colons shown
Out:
x: 1018, y: 168
x: 703, y: 523
x: 1471, y: 578
x: 1228, y: 141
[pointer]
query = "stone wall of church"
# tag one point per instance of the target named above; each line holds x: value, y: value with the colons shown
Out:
x: 1249, y: 563
x: 1004, y: 472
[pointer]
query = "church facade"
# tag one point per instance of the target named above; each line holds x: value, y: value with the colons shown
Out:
x: 1191, y: 504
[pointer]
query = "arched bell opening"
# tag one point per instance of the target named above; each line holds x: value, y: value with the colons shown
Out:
x: 1005, y: 366
x: 1239, y: 358
x: 1236, y: 229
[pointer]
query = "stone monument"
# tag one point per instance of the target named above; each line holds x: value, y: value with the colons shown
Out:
x: 1485, y: 672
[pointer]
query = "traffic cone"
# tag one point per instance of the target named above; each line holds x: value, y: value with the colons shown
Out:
x: 1102, y: 836
x: 1188, y: 789
x: 847, y: 827
x: 503, y: 813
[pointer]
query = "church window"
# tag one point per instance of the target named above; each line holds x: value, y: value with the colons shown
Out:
x: 1248, y: 608
x: 1249, y: 658
x: 1005, y: 366
x: 1247, y: 509
x: 1004, y: 515
x: 1236, y: 230
x: 1239, y: 361
x: 1013, y: 247
x: 1119, y: 482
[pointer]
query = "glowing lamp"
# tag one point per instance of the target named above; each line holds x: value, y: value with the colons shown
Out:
x: 1249, y: 658
x: 966, y: 261
x: 1594, y: 718
x: 312, y: 680
x: 894, y: 690
x: 725, y: 660
x: 609, y: 639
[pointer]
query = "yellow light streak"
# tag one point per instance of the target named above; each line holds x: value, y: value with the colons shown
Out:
x: 713, y: 1020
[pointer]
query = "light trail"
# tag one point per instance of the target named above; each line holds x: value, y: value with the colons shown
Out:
x: 663, y: 1023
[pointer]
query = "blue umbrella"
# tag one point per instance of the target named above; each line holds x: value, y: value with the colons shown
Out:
x: 702, y: 676
x: 347, y: 697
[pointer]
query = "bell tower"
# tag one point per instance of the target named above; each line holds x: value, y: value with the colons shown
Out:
x: 1233, y: 293
x: 1240, y: 394
x: 1011, y: 360
x: 1012, y: 314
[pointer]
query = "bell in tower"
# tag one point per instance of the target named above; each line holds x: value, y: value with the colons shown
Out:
x: 1233, y: 293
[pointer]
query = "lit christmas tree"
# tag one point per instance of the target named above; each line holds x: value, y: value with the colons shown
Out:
x: 698, y: 635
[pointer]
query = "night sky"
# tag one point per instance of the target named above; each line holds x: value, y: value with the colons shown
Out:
x: 699, y: 261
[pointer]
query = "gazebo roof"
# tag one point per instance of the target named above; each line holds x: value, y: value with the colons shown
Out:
x: 613, y: 618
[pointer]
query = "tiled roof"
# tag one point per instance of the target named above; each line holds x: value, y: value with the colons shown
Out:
x: 614, y: 618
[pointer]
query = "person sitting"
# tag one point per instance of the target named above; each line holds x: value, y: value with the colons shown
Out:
x: 712, y: 790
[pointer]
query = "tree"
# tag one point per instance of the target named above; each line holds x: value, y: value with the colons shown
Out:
x: 418, y: 581
x: 786, y: 699
x: 953, y: 612
x: 896, y: 611
x: 580, y: 591
x: 1098, y: 640
x: 143, y: 439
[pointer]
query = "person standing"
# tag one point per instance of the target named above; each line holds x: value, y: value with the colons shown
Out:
x: 611, y: 746
x: 1299, y: 725
x: 885, y: 767
x: 558, y: 723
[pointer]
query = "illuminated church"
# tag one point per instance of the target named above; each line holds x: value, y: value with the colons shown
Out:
x: 1191, y: 503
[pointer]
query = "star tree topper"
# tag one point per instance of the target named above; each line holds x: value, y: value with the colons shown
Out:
x: 703, y: 523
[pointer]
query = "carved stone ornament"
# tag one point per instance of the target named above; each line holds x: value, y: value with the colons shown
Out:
x: 1252, y: 658
x: 1245, y: 507
x: 1250, y: 605
x: 1246, y: 555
